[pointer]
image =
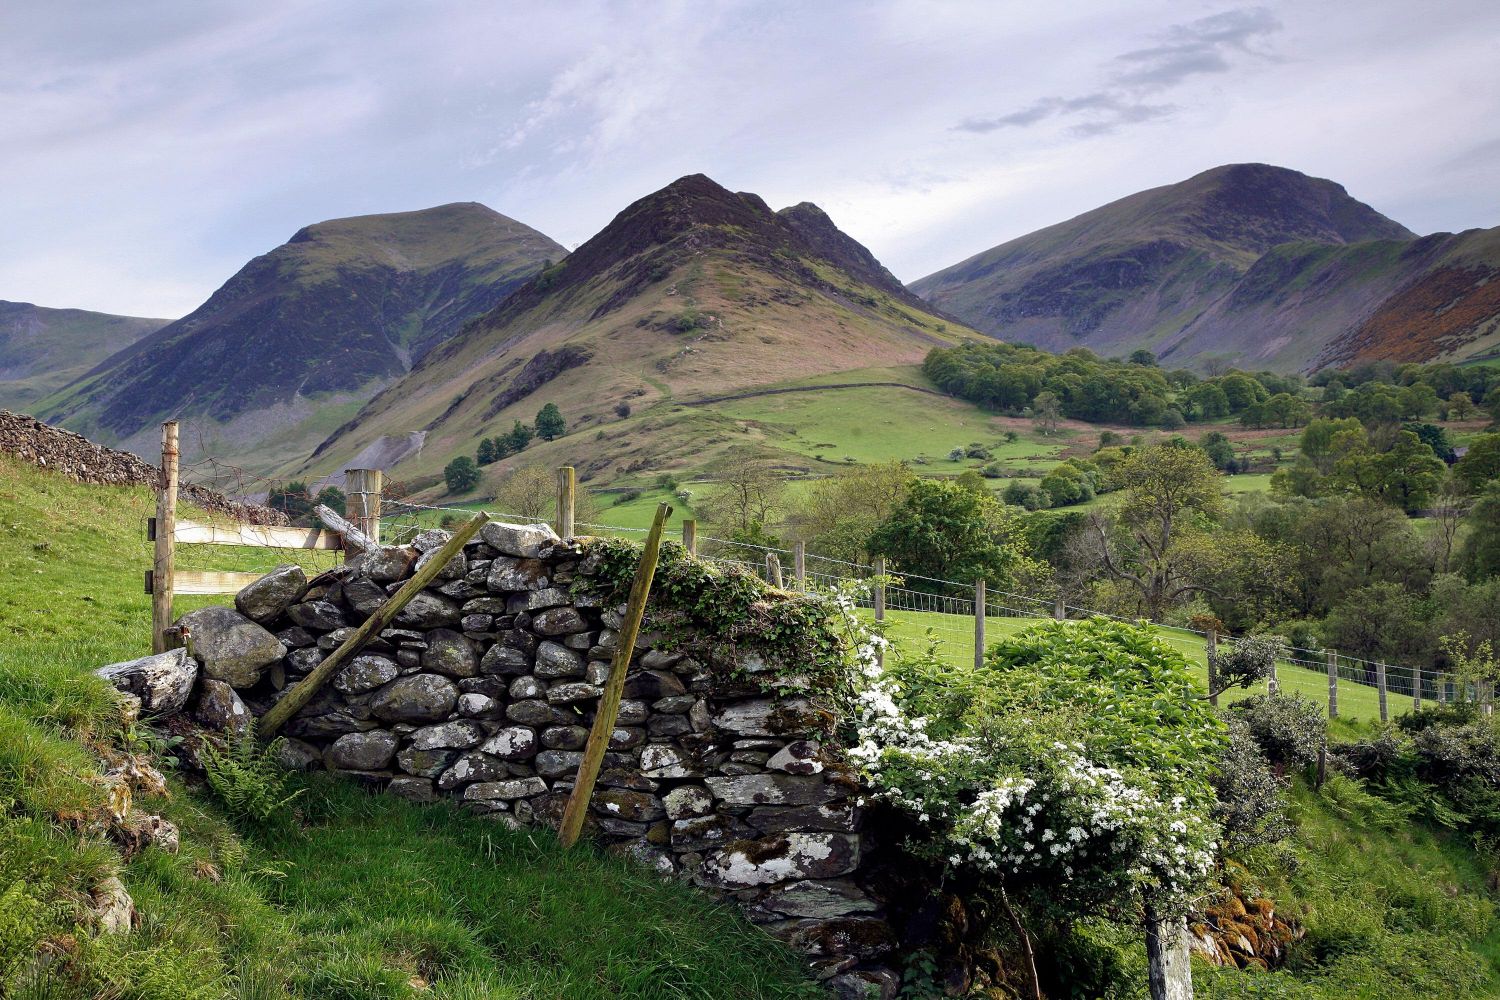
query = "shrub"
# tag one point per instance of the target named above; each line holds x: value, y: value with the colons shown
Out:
x: 1288, y: 729
x: 956, y: 455
x: 978, y: 451
x: 1024, y: 495
x: 993, y: 470
x: 246, y: 777
x: 1252, y: 801
x: 1244, y: 661
x: 622, y: 410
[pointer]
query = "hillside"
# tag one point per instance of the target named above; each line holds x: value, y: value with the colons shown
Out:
x: 43, y: 349
x: 1247, y: 265
x: 690, y: 293
x: 303, y: 335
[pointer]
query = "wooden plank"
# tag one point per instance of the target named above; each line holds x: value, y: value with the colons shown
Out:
x: 165, y: 543
x: 262, y: 535
x: 302, y: 692
x: 206, y: 581
x: 614, y: 688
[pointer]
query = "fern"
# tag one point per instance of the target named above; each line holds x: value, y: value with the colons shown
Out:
x: 246, y: 777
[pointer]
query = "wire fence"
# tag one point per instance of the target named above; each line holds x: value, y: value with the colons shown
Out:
x: 916, y: 606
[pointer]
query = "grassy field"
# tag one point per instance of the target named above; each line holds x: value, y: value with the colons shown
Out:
x: 356, y: 897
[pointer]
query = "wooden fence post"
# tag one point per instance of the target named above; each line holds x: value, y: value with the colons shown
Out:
x: 303, y: 691
x: 1416, y: 688
x: 880, y: 601
x: 1273, y: 682
x: 773, y: 571
x: 363, y: 496
x: 166, y: 543
x: 567, y: 484
x: 980, y: 609
x: 609, y: 702
x: 1211, y: 647
x: 1333, y: 684
x: 690, y: 535
x: 1380, y: 685
x: 1059, y: 608
x: 799, y: 564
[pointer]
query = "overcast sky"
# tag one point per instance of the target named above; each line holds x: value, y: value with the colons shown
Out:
x: 148, y: 149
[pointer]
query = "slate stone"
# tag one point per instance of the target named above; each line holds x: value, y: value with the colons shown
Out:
x: 797, y: 757
x: 369, y: 751
x: 537, y: 600
x: 559, y: 621
x: 767, y: 717
x: 668, y: 762
x: 412, y: 788
x: 485, y: 606
x: 821, y: 900
x: 622, y: 803
x: 652, y: 685
x: 296, y: 637
x: 431, y: 539
x: 389, y: 563
x: 531, y: 713
x: 510, y: 575
x: 572, y: 693
x: 449, y: 653
x: 220, y: 708
x: 565, y: 737
x: 425, y: 763
x: 267, y: 599
x: 773, y: 790
x: 365, y: 596
x: 458, y: 735
x: 527, y: 687
x: 428, y: 611
x: 556, y: 660
x: 364, y: 673
x: 524, y: 540
x: 557, y: 763
x: 688, y: 800
x: 230, y: 646
x: 505, y: 661
x: 319, y: 616
x: 479, y: 706
x: 416, y: 698
x: 472, y: 767
x: 162, y: 682
x: 780, y: 857
x: 518, y: 788
x: 512, y: 743
x: 453, y: 569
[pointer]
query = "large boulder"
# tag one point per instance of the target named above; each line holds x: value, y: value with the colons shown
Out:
x: 230, y: 646
x: 524, y: 540
x: 162, y: 682
x: 267, y: 598
x: 417, y: 698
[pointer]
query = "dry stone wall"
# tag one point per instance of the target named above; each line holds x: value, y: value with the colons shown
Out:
x: 484, y: 688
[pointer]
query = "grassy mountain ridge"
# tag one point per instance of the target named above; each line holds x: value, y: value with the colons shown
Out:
x: 1245, y: 264
x: 43, y: 349
x: 690, y: 292
x: 323, y: 320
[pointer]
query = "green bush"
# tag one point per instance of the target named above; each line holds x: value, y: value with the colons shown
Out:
x: 1288, y: 729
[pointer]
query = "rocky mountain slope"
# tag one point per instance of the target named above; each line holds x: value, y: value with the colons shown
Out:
x: 303, y: 335
x: 1247, y: 264
x: 690, y: 292
x: 43, y: 349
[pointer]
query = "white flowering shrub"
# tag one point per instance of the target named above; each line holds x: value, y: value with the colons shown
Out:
x: 1075, y: 767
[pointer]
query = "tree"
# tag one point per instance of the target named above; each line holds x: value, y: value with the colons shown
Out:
x: 550, y: 423
x: 517, y: 438
x: 488, y: 452
x: 1046, y: 410
x: 530, y: 492
x: 943, y: 531
x: 1163, y: 486
x: 291, y: 499
x: 1218, y: 449
x: 1481, y: 464
x: 333, y: 498
x: 1142, y: 357
x: 1480, y: 556
x: 748, y: 498
x: 1460, y: 406
x: 837, y: 514
x: 461, y: 474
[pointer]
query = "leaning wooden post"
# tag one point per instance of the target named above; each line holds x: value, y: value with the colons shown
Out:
x: 880, y: 602
x: 614, y: 688
x: 799, y: 564
x: 980, y: 609
x: 773, y: 571
x: 567, y: 483
x: 1333, y: 684
x: 166, y: 543
x: 1380, y: 685
x: 1211, y: 649
x: 690, y: 535
x: 302, y: 692
x: 363, y: 488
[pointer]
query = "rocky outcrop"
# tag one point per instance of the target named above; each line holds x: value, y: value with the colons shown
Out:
x: 486, y: 696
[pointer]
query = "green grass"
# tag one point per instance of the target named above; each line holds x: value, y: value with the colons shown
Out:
x: 356, y: 896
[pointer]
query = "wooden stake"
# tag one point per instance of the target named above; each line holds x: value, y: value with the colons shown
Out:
x: 1059, y: 608
x: 690, y: 535
x: 567, y: 483
x: 614, y: 688
x: 1333, y: 684
x: 1416, y: 688
x: 1380, y: 685
x: 979, y: 612
x: 799, y: 564
x: 880, y: 602
x: 303, y: 691
x: 773, y: 571
x: 363, y: 496
x: 166, y: 543
x: 1211, y: 645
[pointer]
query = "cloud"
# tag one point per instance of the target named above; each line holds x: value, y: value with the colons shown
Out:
x: 1199, y: 47
x: 1104, y: 112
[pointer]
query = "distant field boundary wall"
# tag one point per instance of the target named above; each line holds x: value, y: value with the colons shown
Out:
x: 809, y: 388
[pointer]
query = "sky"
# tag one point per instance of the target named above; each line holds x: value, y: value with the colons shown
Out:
x: 151, y: 148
